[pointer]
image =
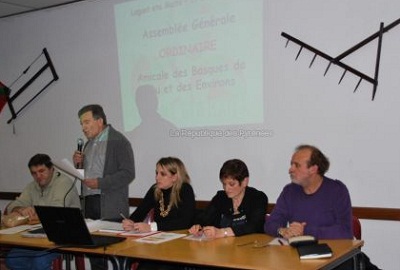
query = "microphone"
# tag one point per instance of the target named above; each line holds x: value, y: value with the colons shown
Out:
x: 79, y: 148
x: 80, y: 144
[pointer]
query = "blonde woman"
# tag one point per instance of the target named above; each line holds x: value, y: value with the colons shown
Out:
x: 171, y: 198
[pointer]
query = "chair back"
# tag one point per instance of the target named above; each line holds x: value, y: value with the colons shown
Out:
x: 356, y: 228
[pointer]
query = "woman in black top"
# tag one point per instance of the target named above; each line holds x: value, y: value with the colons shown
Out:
x: 171, y: 198
x: 236, y: 210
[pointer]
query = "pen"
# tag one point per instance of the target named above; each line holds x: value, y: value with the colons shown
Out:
x: 122, y: 215
x: 280, y: 242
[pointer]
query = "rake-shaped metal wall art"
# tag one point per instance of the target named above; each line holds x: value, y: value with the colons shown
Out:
x: 337, y: 60
x: 47, y: 66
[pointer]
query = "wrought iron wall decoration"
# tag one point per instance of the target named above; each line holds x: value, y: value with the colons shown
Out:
x: 337, y: 60
x: 48, y: 65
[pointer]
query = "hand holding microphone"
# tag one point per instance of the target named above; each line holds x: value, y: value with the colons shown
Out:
x: 80, y: 144
x: 78, y: 155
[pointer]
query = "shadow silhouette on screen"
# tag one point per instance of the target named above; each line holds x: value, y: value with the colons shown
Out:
x: 151, y: 138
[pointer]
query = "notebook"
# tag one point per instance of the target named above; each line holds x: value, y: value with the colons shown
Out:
x: 314, y: 251
x: 67, y: 226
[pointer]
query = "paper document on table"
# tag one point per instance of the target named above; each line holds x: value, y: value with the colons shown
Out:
x: 138, y: 234
x: 160, y: 237
x: 200, y: 237
x: 35, y: 233
x: 278, y: 242
x: 18, y: 229
x: 66, y: 166
x: 104, y: 226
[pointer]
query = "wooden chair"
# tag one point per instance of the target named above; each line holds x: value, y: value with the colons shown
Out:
x: 79, y: 262
x: 358, y: 262
x: 356, y: 228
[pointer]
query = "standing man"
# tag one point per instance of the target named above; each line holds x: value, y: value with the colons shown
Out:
x: 51, y: 188
x: 109, y: 167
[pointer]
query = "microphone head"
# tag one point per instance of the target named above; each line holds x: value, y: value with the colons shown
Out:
x: 80, y: 143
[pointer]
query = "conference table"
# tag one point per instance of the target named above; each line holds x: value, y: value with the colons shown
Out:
x: 244, y: 252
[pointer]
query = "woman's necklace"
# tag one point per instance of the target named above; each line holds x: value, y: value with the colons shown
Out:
x: 236, y: 203
x: 164, y: 212
x: 236, y: 208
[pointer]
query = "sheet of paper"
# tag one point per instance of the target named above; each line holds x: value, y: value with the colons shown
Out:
x: 160, y: 237
x: 278, y: 242
x: 18, y: 229
x: 138, y: 234
x: 200, y: 237
x: 111, y: 231
x: 66, y: 166
x: 33, y: 235
x: 103, y: 225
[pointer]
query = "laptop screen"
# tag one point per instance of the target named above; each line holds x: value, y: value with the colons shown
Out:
x: 67, y: 226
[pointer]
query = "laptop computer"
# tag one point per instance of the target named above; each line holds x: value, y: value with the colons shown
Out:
x: 67, y: 226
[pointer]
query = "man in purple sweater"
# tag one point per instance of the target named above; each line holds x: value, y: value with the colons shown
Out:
x: 312, y: 204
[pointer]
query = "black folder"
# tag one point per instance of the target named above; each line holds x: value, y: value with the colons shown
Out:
x: 314, y: 251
